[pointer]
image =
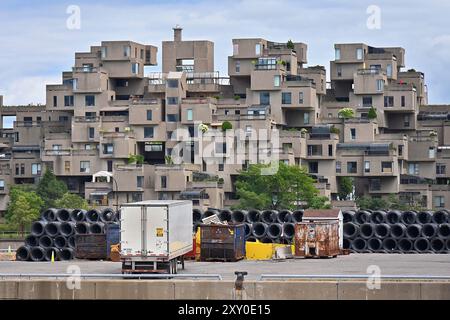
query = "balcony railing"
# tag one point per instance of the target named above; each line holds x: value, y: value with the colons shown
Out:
x: 69, y: 152
x: 370, y: 71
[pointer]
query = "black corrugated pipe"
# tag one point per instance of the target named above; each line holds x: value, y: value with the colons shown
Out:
x: 253, y: 216
x: 67, y: 229
x: 251, y: 239
x: 382, y: 230
x: 437, y: 245
x: 259, y: 230
x: 23, y: 253
x: 405, y: 245
x: 348, y: 216
x: 297, y: 216
x: 97, y: 228
x: 414, y: 231
x: 351, y: 230
x: 366, y: 230
x: 209, y: 213
x: 422, y: 245
x: 375, y: 244
x: 362, y: 216
x: 196, y: 215
x: 378, y: 217
x: 389, y: 244
x: 45, y: 242
x: 284, y: 216
x: 393, y: 216
x: 266, y: 240
x: 37, y: 254
x: 359, y: 244
x: 107, y: 215
x: 408, y: 217
x: 424, y: 217
x: 38, y: 228
x: 60, y: 242
x: 444, y: 230
x: 48, y: 254
x: 66, y: 254
x: 117, y: 216
x: 81, y: 228
x: 447, y: 244
x: 274, y: 230
x: 398, y: 230
x: 429, y: 230
x: 238, y: 216
x: 63, y: 214
x: 248, y: 230
x: 346, y: 243
x: 92, y: 216
x: 269, y: 216
x: 49, y: 215
x: 31, y: 241
x: 71, y: 242
x: 440, y: 216
x: 196, y: 226
x: 225, y: 215
x: 288, y: 230
x: 78, y: 215
x: 52, y: 229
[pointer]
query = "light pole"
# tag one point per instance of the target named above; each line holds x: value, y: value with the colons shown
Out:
x: 116, y: 193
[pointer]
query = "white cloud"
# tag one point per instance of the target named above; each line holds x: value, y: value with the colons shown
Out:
x: 25, y: 90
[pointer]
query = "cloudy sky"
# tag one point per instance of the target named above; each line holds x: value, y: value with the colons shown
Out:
x: 36, y: 44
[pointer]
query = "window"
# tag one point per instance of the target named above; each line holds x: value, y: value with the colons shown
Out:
x: 386, y: 167
x: 57, y: 147
x: 126, y: 51
x: 67, y: 167
x: 87, y: 67
x: 258, y: 49
x: 338, y: 167
x: 431, y: 152
x: 375, y: 184
x: 172, y: 83
x: 135, y: 68
x: 163, y: 181
x: 406, y: 121
x: 55, y: 101
x: 74, y: 84
x: 148, y: 132
x: 388, y: 101
x: 17, y: 169
x: 68, y: 101
x: 366, y: 166
x: 172, y: 100
x: 149, y: 115
x: 300, y: 97
x: 89, y: 101
x: 276, y: 81
x: 352, y: 167
x: 91, y: 133
x: 337, y: 54
x: 109, y: 166
x: 359, y: 54
x: 439, y: 201
x: 142, y: 54
x: 306, y: 118
x: 380, y: 85
x: 172, y: 118
x: 367, y: 102
x: 22, y: 168
x: 108, y: 148
x: 353, y: 133
x: 189, y: 115
x: 330, y: 150
x: 38, y: 119
x: 413, y: 169
x: 286, y: 98
x: 85, y: 166
x: 87, y: 147
x: 238, y: 66
x: 139, y: 181
x: 264, y: 98
x: 2, y: 184
x: 153, y: 147
x: 235, y: 49
x: 313, y: 167
x: 28, y: 121
x: 339, y: 71
x: 104, y: 52
x: 35, y: 169
x: 220, y: 167
x: 389, y: 70
x: 400, y: 150
x: 403, y: 101
x: 440, y: 168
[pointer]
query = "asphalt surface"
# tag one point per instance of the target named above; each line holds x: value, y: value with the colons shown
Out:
x: 353, y: 264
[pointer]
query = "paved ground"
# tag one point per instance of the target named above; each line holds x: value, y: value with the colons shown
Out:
x: 390, y: 264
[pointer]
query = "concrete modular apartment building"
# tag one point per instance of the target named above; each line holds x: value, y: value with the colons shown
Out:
x: 106, y: 108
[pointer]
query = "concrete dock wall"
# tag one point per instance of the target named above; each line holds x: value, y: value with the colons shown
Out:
x: 222, y: 290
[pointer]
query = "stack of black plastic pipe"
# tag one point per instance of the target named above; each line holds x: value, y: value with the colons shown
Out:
x: 54, y: 234
x: 267, y: 226
x: 397, y: 231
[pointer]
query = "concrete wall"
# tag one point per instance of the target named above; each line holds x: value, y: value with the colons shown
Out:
x: 223, y: 290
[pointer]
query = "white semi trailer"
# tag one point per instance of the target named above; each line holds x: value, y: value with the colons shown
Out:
x: 155, y: 235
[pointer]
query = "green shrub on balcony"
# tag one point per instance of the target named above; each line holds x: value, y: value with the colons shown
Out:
x: 135, y: 159
x: 290, y: 44
x: 335, y: 130
x: 372, y: 113
x: 346, y: 113
x: 226, y: 125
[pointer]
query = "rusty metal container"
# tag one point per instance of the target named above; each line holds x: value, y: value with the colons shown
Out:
x: 90, y: 246
x: 317, y: 239
x: 222, y: 242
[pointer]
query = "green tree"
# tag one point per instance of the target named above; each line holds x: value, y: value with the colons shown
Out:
x: 346, y: 113
x: 290, y: 44
x: 24, y: 208
x: 50, y: 188
x: 281, y: 190
x: 372, y: 114
x: 345, y: 187
x: 71, y: 200
x: 226, y: 125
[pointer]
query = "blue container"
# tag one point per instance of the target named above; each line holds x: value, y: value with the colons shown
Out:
x: 222, y: 242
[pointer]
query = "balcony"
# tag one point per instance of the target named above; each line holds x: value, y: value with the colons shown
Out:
x: 70, y: 152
